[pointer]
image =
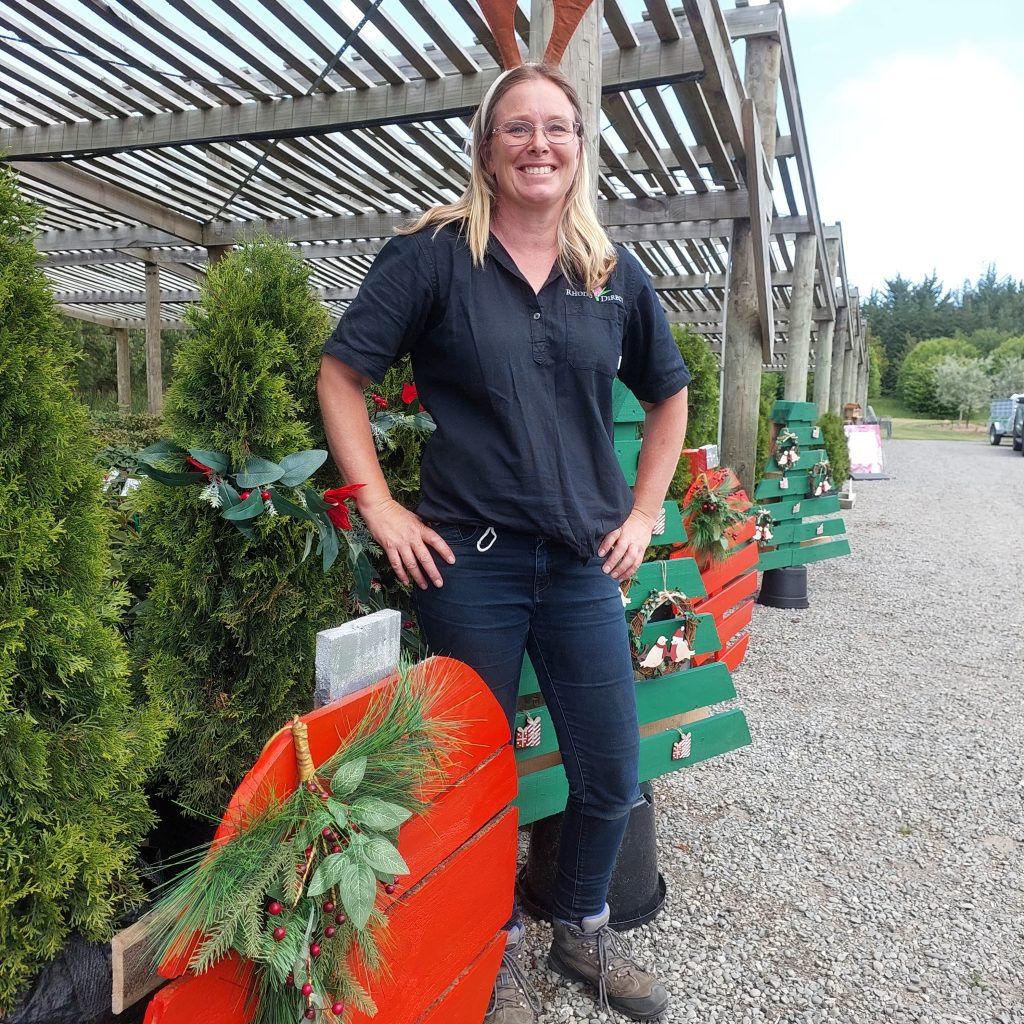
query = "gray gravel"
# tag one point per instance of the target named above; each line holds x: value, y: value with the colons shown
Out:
x: 862, y: 861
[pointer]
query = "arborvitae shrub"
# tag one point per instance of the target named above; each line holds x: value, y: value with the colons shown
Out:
x: 834, y: 438
x: 74, y: 749
x: 228, y: 635
x: 702, y: 421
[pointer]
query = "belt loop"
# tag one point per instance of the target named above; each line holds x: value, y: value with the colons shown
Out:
x: 481, y: 546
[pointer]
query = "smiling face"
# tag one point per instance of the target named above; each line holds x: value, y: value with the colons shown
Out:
x: 536, y: 174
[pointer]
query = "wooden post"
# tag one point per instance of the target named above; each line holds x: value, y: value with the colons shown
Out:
x: 826, y: 331
x: 863, y: 357
x: 849, y: 371
x: 154, y: 373
x: 842, y: 332
x: 582, y: 66
x: 124, y: 369
x: 215, y: 253
x: 798, y: 348
x: 741, y: 342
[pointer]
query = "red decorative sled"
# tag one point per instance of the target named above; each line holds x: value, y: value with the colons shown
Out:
x: 445, y: 937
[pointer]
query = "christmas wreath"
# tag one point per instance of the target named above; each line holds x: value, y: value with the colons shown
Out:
x: 819, y: 480
x: 763, y: 525
x: 787, y: 449
x: 667, y: 652
x: 294, y: 892
x: 712, y: 505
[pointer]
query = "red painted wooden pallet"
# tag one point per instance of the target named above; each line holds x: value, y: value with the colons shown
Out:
x: 445, y: 938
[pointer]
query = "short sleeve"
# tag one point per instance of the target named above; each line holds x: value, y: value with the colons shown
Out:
x: 652, y: 366
x: 390, y: 311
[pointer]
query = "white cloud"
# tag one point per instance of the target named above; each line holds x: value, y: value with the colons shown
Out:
x: 920, y: 161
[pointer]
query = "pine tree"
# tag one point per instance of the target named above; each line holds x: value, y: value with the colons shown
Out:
x: 74, y: 749
x: 228, y: 635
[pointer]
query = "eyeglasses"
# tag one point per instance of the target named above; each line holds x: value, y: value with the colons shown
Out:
x: 558, y: 131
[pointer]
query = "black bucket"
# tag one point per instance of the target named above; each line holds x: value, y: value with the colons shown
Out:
x: 784, y: 588
x: 636, y: 892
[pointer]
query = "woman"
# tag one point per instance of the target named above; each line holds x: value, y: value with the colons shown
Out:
x: 519, y: 313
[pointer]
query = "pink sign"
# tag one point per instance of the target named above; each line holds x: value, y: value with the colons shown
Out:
x: 864, y: 441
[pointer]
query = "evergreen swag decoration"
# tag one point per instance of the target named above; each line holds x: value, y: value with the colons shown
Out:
x: 787, y: 449
x: 711, y: 506
x: 819, y: 479
x: 255, y: 489
x: 294, y: 891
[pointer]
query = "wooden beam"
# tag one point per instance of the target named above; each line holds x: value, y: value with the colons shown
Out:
x: 721, y: 84
x: 136, y: 296
x: 95, y: 190
x: 447, y: 97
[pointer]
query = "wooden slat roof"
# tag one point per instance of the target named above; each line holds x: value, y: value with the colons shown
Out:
x: 152, y: 130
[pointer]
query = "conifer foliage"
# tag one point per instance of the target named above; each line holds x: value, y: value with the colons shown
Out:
x: 74, y: 749
x: 228, y: 636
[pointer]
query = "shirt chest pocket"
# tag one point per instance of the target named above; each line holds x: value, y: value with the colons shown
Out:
x: 594, y: 339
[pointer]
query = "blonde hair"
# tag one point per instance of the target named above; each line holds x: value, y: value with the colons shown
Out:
x: 585, y: 253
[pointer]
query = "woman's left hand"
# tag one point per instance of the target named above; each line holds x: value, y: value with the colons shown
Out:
x: 626, y: 546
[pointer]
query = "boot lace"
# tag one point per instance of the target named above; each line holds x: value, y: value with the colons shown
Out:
x: 614, y: 956
x: 512, y: 983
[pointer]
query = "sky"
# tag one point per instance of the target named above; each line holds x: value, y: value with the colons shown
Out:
x: 914, y: 112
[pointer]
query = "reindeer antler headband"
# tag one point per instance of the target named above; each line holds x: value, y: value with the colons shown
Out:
x: 500, y: 16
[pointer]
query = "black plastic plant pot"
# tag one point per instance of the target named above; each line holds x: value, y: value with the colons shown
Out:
x: 637, y: 891
x: 784, y: 588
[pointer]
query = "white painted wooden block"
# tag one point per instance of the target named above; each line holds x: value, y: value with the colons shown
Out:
x: 356, y: 654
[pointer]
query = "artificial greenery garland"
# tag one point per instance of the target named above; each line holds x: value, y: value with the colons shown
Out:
x: 711, y: 506
x: 261, y: 487
x: 294, y: 891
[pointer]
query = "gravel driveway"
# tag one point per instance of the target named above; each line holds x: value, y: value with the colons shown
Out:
x: 862, y: 861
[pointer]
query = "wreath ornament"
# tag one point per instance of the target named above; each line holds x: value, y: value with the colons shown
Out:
x: 818, y: 480
x: 711, y: 506
x: 669, y: 651
x: 763, y: 523
x: 787, y: 449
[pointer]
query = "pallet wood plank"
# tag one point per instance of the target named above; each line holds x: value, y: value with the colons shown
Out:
x: 544, y: 793
x: 679, y: 574
x: 794, y: 412
x: 733, y: 593
x: 706, y: 640
x: 469, y: 995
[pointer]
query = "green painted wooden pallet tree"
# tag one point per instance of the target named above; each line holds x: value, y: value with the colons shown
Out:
x: 673, y: 708
x: 788, y: 493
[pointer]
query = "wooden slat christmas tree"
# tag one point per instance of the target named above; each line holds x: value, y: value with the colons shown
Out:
x: 797, y: 487
x: 677, y: 728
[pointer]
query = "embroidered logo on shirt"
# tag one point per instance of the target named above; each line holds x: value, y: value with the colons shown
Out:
x: 598, y: 295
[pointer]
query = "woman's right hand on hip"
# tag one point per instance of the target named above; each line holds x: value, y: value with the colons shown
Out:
x: 408, y: 543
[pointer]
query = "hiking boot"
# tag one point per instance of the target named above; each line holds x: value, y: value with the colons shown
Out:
x: 514, y: 1000
x: 594, y: 953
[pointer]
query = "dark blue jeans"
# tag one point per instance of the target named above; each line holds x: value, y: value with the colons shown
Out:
x: 512, y: 593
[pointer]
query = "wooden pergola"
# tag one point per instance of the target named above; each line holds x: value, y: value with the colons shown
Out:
x: 157, y: 134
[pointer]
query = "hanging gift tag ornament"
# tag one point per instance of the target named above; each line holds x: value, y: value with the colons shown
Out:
x: 820, y: 530
x: 681, y: 748
x: 816, y: 432
x: 659, y: 524
x: 796, y: 508
x: 528, y: 734
x: 784, y: 484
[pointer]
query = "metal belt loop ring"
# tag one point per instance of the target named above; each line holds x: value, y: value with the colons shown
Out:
x: 481, y: 546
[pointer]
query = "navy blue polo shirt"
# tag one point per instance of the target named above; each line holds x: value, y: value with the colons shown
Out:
x: 519, y: 384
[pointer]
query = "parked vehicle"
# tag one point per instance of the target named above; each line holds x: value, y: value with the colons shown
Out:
x: 1017, y: 427
x: 1001, y: 419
